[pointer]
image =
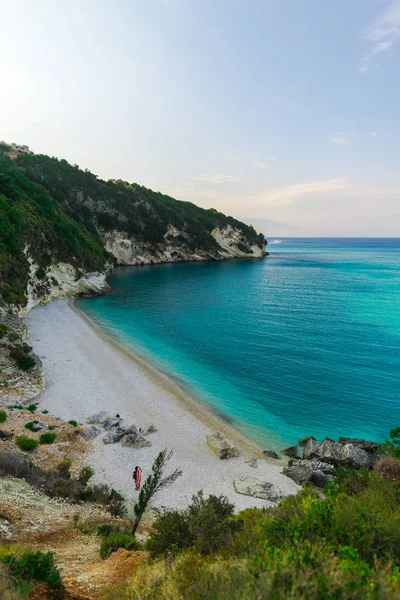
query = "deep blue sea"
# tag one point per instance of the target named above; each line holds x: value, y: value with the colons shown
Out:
x: 303, y: 342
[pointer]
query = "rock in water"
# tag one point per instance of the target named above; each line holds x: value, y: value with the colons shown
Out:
x: 291, y: 451
x: 271, y: 454
x: 250, y: 486
x: 305, y: 439
x: 221, y: 446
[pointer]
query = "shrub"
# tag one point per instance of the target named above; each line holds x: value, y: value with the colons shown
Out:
x: 34, y: 566
x: 3, y: 330
x: 85, y: 474
x: 25, y: 443
x: 47, y: 438
x: 392, y: 445
x: 32, y: 407
x: 64, y: 468
x: 21, y: 354
x: 106, y: 529
x: 112, y: 542
x: 389, y: 468
x: 3, y: 416
x: 73, y: 422
x: 30, y: 425
x: 171, y: 532
x: 45, y: 412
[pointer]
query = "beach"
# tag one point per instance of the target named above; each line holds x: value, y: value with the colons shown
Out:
x: 87, y: 372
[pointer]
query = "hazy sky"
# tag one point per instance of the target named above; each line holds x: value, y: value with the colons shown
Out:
x: 265, y: 109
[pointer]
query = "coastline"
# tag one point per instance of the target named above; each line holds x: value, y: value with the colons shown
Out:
x: 88, y: 371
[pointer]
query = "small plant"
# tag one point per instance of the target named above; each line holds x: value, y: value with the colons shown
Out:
x: 85, y: 474
x: 32, y: 407
x: 34, y: 566
x: 64, y: 468
x: 45, y: 412
x: 26, y: 444
x: 112, y: 542
x: 74, y: 423
x: 30, y: 425
x: 3, y: 416
x: 47, y: 438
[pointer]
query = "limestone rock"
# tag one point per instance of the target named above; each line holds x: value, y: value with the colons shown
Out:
x: 114, y: 436
x: 336, y: 453
x: 132, y: 438
x: 252, y: 462
x: 291, y: 451
x: 312, y: 449
x: 98, y: 418
x: 305, y: 471
x: 271, y: 454
x: 89, y: 432
x: 366, y: 445
x: 149, y: 428
x: 250, y: 486
x: 305, y: 439
x: 221, y: 446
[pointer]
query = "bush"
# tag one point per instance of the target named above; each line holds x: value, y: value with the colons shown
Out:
x: 47, y: 438
x: 27, y: 444
x: 45, y: 412
x: 389, y: 468
x: 85, y: 474
x: 206, y: 526
x: 112, y: 542
x: 21, y: 354
x: 3, y: 416
x: 30, y: 425
x: 106, y: 529
x: 73, y: 422
x: 34, y: 566
x: 392, y: 445
x: 64, y: 468
x: 32, y: 407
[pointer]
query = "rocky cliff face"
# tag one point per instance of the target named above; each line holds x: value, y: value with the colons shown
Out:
x: 128, y: 250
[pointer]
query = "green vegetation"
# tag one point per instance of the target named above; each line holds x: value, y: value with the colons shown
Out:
x: 26, y: 444
x: 30, y: 425
x: 344, y: 545
x: 45, y: 412
x: 32, y: 566
x: 55, y: 210
x: 47, y: 438
x: 21, y: 354
x: 32, y: 407
x: 3, y: 416
x: 64, y: 469
x: 85, y: 474
x: 73, y: 422
x: 392, y: 445
x: 116, y: 540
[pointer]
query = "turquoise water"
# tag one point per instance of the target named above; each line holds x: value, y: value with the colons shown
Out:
x: 306, y: 341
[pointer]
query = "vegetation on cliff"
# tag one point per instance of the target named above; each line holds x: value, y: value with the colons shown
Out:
x: 56, y: 212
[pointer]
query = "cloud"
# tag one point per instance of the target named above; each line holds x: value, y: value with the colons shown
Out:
x: 219, y: 179
x: 289, y: 194
x: 259, y: 164
x: 383, y: 33
x: 338, y: 138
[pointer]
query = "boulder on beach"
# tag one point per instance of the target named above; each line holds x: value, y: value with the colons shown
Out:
x: 271, y: 454
x: 250, y: 486
x: 89, y: 432
x: 251, y: 461
x: 309, y: 471
x: 336, y: 453
x: 112, y: 437
x: 290, y: 451
x: 132, y: 438
x: 221, y: 446
x: 149, y: 428
x: 98, y: 418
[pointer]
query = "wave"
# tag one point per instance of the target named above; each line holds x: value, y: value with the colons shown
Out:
x: 274, y: 242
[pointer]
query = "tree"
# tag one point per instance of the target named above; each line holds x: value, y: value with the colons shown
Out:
x: 154, y: 482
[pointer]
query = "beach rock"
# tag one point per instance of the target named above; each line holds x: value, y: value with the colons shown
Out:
x: 112, y: 437
x: 305, y: 439
x: 306, y: 471
x: 98, y: 418
x: 271, y: 454
x: 110, y: 423
x: 336, y: 453
x: 150, y: 428
x: 250, y: 486
x: 132, y: 438
x: 363, y: 444
x: 252, y: 462
x: 291, y: 451
x: 221, y: 446
x: 89, y: 432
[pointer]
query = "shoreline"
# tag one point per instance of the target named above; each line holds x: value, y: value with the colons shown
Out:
x: 211, y: 419
x: 87, y: 371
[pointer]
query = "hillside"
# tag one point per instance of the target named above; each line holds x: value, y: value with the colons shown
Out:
x: 61, y: 228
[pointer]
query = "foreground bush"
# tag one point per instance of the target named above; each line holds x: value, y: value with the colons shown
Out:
x: 389, y: 468
x: 3, y: 416
x: 117, y: 540
x: 26, y: 444
x: 33, y: 566
x: 47, y: 438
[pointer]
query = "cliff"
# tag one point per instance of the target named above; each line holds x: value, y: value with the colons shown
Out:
x: 62, y: 229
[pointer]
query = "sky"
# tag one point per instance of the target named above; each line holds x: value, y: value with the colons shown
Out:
x: 282, y: 113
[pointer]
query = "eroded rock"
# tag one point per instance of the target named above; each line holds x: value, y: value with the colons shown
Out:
x: 250, y: 486
x: 222, y: 446
x: 271, y: 454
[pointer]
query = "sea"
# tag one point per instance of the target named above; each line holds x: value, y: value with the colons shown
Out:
x: 303, y: 342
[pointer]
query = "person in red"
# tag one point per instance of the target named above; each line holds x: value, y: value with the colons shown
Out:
x: 137, y: 477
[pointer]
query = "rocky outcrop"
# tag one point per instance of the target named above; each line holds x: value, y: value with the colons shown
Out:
x: 309, y: 471
x: 336, y: 454
x: 128, y: 250
x: 221, y: 446
x: 290, y: 451
x: 271, y: 454
x: 250, y: 486
x: 61, y: 280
